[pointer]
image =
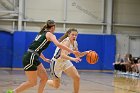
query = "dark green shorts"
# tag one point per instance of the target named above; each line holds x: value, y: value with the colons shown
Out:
x: 30, y: 61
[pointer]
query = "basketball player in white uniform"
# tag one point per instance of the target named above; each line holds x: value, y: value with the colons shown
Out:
x: 61, y: 61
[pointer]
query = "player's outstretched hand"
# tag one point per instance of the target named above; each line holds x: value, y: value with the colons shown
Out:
x: 76, y: 59
x: 47, y: 60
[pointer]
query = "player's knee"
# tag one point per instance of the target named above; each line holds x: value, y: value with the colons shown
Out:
x: 44, y: 79
x: 33, y: 83
x: 77, y: 77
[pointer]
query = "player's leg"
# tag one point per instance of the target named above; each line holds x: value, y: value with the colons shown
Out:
x: 138, y: 65
x: 42, y: 74
x: 56, y: 72
x: 73, y: 73
x: 30, y: 71
x: 55, y: 82
x: 32, y: 81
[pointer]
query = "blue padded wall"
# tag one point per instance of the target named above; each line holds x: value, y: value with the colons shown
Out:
x: 109, y: 52
x: 104, y: 45
x: 90, y: 42
x: 6, y: 49
x: 18, y: 48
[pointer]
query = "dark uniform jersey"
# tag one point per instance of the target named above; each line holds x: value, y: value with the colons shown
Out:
x: 40, y: 43
x: 31, y: 57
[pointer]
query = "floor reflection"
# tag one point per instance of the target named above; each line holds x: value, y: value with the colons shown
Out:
x: 126, y: 84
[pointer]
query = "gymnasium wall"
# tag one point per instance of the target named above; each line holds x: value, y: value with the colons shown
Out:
x: 13, y: 46
x: 6, y: 49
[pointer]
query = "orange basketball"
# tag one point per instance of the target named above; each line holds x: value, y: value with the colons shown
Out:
x: 92, y: 57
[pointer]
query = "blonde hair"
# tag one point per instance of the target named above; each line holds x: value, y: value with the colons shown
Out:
x: 67, y: 34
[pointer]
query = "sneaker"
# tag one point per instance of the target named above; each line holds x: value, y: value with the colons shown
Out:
x: 9, y: 91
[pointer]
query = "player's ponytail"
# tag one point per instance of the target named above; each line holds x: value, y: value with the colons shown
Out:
x: 43, y: 29
x: 67, y: 34
x: 47, y: 26
x: 63, y: 37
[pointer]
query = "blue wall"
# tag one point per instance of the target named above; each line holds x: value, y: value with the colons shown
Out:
x: 14, y: 46
x: 6, y: 49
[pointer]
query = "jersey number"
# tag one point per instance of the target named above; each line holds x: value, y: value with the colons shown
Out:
x: 37, y: 37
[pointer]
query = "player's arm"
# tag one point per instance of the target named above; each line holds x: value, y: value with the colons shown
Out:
x: 64, y: 56
x: 44, y: 58
x: 64, y: 53
x: 52, y: 38
x: 82, y: 53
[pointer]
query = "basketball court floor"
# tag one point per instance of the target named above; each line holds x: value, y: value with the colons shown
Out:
x: 91, y: 82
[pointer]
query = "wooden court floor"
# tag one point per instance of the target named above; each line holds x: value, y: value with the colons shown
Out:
x: 91, y: 82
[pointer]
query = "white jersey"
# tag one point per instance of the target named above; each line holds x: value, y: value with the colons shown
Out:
x: 58, y: 50
x: 58, y: 64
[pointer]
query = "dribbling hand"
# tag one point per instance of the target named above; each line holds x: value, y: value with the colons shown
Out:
x: 76, y: 59
x: 88, y: 51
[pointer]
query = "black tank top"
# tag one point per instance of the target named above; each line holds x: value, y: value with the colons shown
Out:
x: 40, y: 43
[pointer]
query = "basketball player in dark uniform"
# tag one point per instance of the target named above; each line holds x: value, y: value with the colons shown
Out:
x: 32, y: 66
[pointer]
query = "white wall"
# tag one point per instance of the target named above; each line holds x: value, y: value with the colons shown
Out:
x: 85, y: 15
x: 126, y: 30
x: 122, y: 44
x: 127, y: 24
x: 127, y: 12
x: 77, y: 11
x: 6, y: 25
x: 85, y: 11
x: 134, y: 46
x: 44, y: 9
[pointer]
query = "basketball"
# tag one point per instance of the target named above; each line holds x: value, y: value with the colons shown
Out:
x: 92, y: 57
